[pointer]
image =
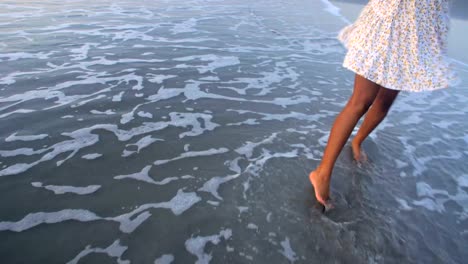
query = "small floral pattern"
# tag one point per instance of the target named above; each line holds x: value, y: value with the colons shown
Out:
x: 400, y: 44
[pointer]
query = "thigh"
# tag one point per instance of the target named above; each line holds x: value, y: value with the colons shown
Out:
x: 364, y: 92
x: 385, y: 98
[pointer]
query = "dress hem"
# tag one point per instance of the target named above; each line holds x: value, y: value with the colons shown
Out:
x: 382, y: 84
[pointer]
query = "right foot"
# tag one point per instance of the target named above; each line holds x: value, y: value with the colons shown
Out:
x: 358, y: 154
x: 321, y: 187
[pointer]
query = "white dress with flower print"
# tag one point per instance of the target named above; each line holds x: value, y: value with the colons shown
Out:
x: 400, y: 44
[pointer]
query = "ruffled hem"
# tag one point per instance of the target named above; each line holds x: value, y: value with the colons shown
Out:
x: 391, y: 86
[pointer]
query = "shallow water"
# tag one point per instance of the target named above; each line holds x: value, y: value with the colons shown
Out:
x: 156, y: 132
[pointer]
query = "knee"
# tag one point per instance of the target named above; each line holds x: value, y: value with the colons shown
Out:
x: 382, y: 106
x: 359, y: 105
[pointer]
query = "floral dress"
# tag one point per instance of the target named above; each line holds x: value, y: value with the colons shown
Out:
x: 400, y: 44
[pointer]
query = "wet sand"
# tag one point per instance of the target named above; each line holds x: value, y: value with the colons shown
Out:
x: 184, y: 132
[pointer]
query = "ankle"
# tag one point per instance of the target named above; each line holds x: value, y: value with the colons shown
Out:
x: 356, y: 141
x: 324, y: 171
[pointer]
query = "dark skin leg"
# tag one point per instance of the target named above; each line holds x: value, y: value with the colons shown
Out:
x: 377, y: 112
x: 364, y: 94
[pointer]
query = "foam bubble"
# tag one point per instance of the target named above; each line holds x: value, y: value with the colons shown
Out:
x: 143, y: 175
x: 186, y: 26
x: 248, y: 148
x: 128, y: 222
x: 164, y: 259
x: 33, y: 219
x: 430, y: 204
x: 196, y: 245
x: 15, y: 137
x: 62, y: 189
x: 287, y: 250
x: 213, y: 184
x: 91, y: 156
x: 18, y: 111
x: 144, y: 114
x: 21, y: 151
x: 115, y: 250
x: 190, y: 154
x: 140, y: 144
x: 403, y: 204
x: 107, y: 112
x: 158, y: 78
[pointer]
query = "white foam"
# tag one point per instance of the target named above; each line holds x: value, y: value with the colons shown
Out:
x: 268, y: 217
x: 282, y: 117
x: 117, y: 97
x: 158, y: 78
x: 252, y: 226
x: 214, y: 203
x: 144, y: 114
x: 15, y: 137
x: 234, y: 165
x: 248, y: 148
x: 186, y: 26
x: 412, y: 119
x: 81, y: 53
x: 91, y: 156
x: 107, y: 112
x: 403, y: 204
x: 215, y: 61
x: 164, y: 93
x: 141, y: 144
x: 287, y: 250
x: 83, y: 102
x: 143, y: 175
x: 128, y: 222
x: 25, y: 55
x: 213, y: 184
x: 193, y: 92
x: 81, y: 138
x: 196, y: 245
x: 424, y: 189
x: 430, y: 204
x: 191, y: 154
x: 332, y: 9
x: 33, y: 219
x: 444, y: 124
x: 62, y: 189
x: 17, y: 111
x: 177, y: 119
x: 164, y: 259
x: 250, y: 121
x: 265, y: 83
x: 257, y: 164
x: 21, y: 151
x: 242, y: 209
x: 115, y: 250
x: 463, y: 180
x: 209, y: 78
x: 400, y: 164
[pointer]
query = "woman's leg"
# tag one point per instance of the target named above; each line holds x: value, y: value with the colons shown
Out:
x: 374, y: 116
x: 363, y: 95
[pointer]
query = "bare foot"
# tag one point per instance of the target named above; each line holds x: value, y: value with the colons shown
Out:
x: 358, y: 154
x: 321, y: 186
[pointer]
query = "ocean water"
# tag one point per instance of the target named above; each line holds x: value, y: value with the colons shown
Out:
x: 184, y: 132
